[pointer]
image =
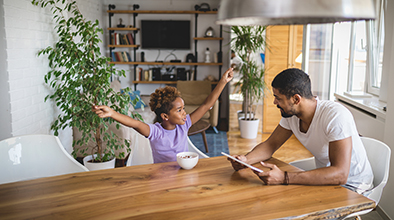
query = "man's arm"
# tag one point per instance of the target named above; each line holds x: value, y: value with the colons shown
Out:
x: 264, y: 150
x: 211, y: 99
x: 340, y: 156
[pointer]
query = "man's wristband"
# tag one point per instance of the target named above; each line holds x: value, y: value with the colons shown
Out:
x: 286, y: 179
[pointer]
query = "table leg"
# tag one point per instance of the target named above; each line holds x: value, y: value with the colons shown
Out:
x: 204, y: 137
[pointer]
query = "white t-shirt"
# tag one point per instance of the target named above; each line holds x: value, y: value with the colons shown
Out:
x: 332, y: 122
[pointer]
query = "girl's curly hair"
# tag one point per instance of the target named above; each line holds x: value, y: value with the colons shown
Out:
x: 161, y: 100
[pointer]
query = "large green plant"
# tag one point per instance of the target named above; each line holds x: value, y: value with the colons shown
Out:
x: 80, y: 78
x: 247, y: 41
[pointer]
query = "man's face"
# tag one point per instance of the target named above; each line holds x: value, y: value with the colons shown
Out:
x: 285, y: 105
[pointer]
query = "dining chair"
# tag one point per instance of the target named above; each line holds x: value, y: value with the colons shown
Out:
x: 35, y: 156
x: 193, y: 148
x: 142, y: 152
x: 379, y: 157
x: 305, y: 164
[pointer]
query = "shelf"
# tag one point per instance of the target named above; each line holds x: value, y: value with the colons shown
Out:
x: 161, y: 82
x: 207, y: 38
x: 154, y: 82
x: 132, y: 46
x: 159, y: 12
x: 168, y: 63
x: 122, y: 29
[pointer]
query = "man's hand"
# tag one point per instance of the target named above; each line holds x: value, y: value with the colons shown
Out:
x: 237, y: 166
x: 273, y: 177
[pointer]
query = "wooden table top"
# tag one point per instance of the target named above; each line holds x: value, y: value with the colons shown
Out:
x: 211, y: 190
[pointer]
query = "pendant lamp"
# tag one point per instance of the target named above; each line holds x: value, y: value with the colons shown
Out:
x: 287, y: 12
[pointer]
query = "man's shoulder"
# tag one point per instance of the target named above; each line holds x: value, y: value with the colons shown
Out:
x: 331, y: 105
x: 328, y: 107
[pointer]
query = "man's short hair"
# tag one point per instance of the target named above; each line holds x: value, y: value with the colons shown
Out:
x: 293, y: 81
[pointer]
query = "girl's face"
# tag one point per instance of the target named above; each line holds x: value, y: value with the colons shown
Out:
x: 177, y: 114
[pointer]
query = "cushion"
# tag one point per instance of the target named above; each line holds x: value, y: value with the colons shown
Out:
x: 133, y: 95
x: 193, y: 99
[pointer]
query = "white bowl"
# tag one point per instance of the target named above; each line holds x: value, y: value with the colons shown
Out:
x: 187, y: 160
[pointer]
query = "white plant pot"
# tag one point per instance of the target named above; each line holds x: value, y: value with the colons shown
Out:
x: 240, y: 115
x: 98, y: 166
x: 249, y: 128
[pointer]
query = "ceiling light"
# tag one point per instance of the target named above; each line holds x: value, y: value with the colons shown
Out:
x: 286, y: 12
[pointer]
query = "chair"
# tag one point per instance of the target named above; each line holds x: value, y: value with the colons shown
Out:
x: 142, y: 152
x: 34, y: 156
x: 193, y: 148
x: 305, y: 164
x: 194, y: 94
x: 379, y: 157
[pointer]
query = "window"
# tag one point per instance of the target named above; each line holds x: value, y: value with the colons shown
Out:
x: 345, y: 56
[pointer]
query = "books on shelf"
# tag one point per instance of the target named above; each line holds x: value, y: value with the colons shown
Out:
x: 121, y: 56
x: 138, y: 74
x: 122, y: 39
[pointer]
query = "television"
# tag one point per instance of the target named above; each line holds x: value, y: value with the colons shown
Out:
x: 165, y: 34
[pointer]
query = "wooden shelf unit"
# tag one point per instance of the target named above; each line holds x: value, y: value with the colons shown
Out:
x: 134, y: 29
x: 163, y: 82
x: 167, y: 63
x: 159, y: 12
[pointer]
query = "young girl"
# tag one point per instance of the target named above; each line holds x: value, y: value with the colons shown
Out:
x: 168, y: 136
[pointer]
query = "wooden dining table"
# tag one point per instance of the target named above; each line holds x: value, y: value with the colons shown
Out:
x: 211, y: 190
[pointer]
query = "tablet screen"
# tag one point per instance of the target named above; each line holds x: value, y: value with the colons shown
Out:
x: 241, y: 162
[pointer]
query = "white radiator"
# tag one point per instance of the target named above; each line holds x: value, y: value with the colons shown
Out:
x: 368, y: 124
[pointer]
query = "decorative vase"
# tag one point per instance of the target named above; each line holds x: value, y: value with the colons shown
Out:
x: 249, y: 128
x: 98, y: 166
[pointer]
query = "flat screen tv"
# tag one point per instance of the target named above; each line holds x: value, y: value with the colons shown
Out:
x: 165, y: 34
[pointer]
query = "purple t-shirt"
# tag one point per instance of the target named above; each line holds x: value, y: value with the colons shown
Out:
x: 166, y: 144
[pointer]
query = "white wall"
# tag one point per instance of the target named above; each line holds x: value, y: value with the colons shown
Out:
x: 388, y: 76
x: 28, y: 29
x: 5, y: 113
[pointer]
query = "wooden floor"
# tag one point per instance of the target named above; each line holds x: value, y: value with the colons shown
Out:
x: 292, y: 150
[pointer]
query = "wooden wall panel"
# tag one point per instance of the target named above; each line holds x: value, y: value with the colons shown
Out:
x: 277, y: 56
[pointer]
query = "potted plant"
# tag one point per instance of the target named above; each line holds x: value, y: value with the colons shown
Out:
x: 80, y: 78
x: 247, y: 41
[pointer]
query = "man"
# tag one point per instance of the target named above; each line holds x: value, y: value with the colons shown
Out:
x: 325, y: 128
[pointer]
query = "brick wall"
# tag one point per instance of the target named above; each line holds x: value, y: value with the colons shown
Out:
x: 28, y: 29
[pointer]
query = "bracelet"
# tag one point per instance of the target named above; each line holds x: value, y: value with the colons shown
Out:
x: 286, y: 179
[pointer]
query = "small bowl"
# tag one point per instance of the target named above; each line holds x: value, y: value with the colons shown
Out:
x: 187, y: 160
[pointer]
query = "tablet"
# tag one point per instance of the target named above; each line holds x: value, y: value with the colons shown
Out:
x: 241, y: 162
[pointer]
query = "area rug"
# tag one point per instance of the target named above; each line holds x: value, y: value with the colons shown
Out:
x: 217, y: 142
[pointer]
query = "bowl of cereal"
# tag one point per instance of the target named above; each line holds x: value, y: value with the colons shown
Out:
x: 187, y: 160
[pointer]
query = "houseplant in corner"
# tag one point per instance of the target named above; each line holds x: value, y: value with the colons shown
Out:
x: 247, y: 42
x: 80, y: 78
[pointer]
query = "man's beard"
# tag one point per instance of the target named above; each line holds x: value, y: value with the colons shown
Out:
x: 283, y: 113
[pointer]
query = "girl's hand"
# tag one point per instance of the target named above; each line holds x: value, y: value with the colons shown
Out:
x: 228, y: 75
x: 102, y: 111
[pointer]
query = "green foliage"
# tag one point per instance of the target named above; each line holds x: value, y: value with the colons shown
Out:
x: 249, y: 40
x: 80, y: 78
